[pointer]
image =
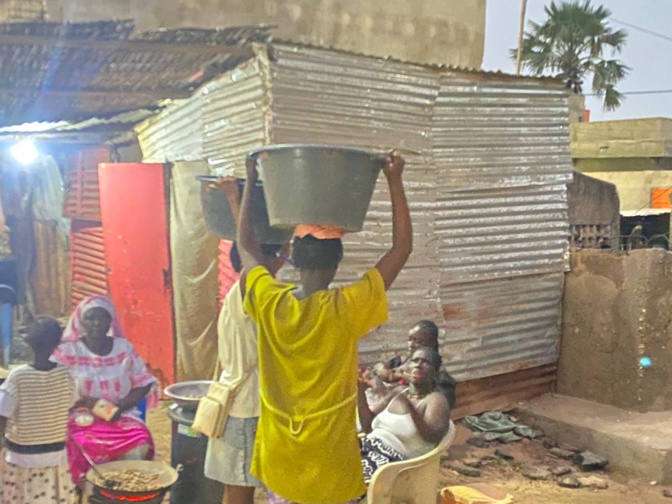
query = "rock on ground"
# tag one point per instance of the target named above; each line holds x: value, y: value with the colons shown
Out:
x: 593, y: 482
x: 569, y: 482
x: 589, y: 461
x: 466, y: 471
x: 561, y: 471
x: 536, y: 473
x: 503, y: 454
x: 561, y: 454
x: 569, y: 447
x: 477, y: 442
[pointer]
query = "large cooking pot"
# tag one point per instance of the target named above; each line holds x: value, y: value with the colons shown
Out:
x: 167, y: 478
x: 312, y: 184
x: 219, y: 218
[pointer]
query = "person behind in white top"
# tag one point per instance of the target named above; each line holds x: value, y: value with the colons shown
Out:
x: 228, y: 459
x: 405, y: 424
x: 35, y: 399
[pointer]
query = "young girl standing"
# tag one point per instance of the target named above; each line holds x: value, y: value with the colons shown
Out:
x: 35, y: 399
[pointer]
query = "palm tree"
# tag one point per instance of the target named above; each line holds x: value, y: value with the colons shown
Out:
x: 571, y: 44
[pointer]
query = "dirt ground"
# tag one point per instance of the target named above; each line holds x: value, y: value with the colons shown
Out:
x: 507, y: 477
x: 502, y: 475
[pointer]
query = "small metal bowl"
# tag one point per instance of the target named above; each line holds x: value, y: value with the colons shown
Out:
x: 188, y: 394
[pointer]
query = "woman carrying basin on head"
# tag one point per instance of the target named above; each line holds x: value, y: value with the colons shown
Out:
x: 306, y: 445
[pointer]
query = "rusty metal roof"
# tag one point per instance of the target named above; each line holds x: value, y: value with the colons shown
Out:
x: 69, y: 72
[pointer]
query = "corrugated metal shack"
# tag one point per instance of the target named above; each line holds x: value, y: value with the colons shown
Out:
x: 488, y: 162
x: 77, y: 89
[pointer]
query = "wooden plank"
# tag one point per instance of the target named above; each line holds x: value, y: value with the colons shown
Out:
x: 124, y: 45
x: 503, y: 391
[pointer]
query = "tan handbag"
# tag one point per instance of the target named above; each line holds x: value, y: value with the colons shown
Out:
x: 213, y: 409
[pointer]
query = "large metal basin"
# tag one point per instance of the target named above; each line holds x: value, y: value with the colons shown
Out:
x: 189, y: 393
x: 219, y: 218
x: 313, y: 184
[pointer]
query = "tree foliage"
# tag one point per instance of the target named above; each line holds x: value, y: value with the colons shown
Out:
x: 571, y: 44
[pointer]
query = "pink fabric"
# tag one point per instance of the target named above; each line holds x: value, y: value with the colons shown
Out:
x: 73, y: 331
x: 104, y: 442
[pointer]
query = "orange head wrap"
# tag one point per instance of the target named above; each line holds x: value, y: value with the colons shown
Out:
x: 319, y: 232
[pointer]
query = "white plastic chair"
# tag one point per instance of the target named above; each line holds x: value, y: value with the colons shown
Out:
x: 413, y: 481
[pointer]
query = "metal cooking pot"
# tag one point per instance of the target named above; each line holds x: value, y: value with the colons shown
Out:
x: 321, y: 185
x: 167, y: 478
x: 189, y: 393
x: 219, y: 218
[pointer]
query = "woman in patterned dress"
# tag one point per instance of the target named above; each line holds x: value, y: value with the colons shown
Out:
x: 105, y: 366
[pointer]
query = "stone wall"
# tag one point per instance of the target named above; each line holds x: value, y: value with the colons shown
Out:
x: 450, y: 32
x: 618, y: 308
x: 593, y: 209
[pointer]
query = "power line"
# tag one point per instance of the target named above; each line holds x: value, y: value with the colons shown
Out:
x: 643, y: 30
x: 649, y: 92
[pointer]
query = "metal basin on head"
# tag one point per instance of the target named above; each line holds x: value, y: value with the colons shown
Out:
x: 219, y: 218
x: 319, y: 185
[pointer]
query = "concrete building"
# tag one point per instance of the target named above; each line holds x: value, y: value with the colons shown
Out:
x: 636, y: 156
x: 450, y: 32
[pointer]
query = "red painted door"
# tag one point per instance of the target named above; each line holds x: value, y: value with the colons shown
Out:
x: 134, y: 211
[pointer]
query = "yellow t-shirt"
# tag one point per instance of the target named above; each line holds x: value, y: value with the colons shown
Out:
x: 306, y: 448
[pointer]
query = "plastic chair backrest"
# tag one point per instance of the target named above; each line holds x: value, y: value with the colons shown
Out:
x: 142, y: 407
x: 413, y: 481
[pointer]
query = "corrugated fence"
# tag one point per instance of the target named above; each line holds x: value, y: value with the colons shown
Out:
x: 487, y: 162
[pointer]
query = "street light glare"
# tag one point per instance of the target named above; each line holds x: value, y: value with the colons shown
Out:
x: 24, y: 152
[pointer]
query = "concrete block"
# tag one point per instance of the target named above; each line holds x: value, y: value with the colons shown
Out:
x: 638, y: 442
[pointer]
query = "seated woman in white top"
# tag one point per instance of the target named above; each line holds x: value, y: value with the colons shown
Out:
x: 407, y: 424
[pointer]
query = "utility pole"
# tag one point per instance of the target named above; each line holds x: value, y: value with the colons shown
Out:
x: 521, y: 33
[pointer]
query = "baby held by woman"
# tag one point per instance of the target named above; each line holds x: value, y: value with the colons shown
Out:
x: 387, y: 377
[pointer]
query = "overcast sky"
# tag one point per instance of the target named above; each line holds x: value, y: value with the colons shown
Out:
x: 649, y: 57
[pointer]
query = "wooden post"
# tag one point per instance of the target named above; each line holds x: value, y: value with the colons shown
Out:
x: 521, y: 33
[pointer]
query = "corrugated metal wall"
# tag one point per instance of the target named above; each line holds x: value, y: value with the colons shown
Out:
x: 327, y: 97
x: 82, y: 194
x: 89, y: 271
x: 235, y: 107
x: 487, y: 162
x: 488, y: 159
x: 221, y: 123
x: 175, y: 134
